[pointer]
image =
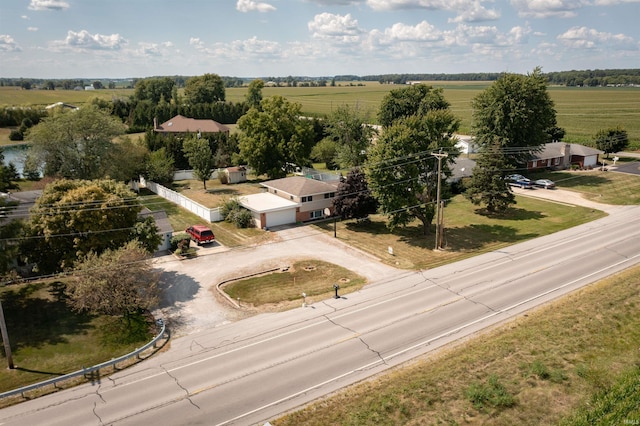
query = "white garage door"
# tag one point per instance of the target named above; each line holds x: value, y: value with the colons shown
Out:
x: 282, y: 217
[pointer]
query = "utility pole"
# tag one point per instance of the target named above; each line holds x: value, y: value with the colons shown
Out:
x: 5, y: 338
x: 439, y: 155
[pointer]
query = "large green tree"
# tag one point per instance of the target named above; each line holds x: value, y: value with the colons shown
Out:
x: 117, y: 282
x: 347, y: 127
x: 153, y: 89
x: 517, y: 112
x: 74, y: 217
x: 275, y: 137
x: 75, y: 144
x: 254, y: 93
x: 204, y: 89
x: 403, y: 173
x: 200, y: 157
x: 159, y: 167
x: 487, y: 185
x: 412, y: 100
x: 613, y: 139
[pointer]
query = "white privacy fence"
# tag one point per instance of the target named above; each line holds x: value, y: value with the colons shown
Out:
x: 206, y: 213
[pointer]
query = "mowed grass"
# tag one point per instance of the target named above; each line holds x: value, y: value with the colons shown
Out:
x: 572, y: 362
x: 466, y: 233
x: 313, y: 277
x: 603, y: 187
x: 48, y: 339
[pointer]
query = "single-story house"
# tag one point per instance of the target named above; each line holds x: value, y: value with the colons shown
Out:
x: 183, y: 125
x: 466, y: 144
x: 561, y: 155
x: 462, y: 167
x: 236, y: 174
x: 165, y: 230
x: 290, y: 200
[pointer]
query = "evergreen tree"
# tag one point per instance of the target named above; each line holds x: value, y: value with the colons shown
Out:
x: 487, y: 185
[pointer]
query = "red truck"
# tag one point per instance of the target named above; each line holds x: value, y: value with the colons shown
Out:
x: 200, y: 234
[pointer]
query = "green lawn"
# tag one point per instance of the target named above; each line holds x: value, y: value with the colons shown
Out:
x: 466, y: 232
x: 48, y: 339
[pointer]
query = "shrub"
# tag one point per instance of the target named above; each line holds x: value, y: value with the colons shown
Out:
x: 180, y: 242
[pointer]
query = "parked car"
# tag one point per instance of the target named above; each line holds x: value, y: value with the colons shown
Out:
x: 519, y: 180
x: 200, y: 234
x: 545, y: 183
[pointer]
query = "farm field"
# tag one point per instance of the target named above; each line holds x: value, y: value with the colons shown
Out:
x: 580, y: 111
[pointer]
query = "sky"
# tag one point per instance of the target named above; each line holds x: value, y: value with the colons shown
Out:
x: 317, y: 38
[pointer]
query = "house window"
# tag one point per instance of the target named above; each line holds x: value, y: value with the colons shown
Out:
x: 307, y: 199
x: 330, y: 195
x: 316, y: 214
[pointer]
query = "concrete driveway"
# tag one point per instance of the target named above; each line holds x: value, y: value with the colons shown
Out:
x: 191, y: 301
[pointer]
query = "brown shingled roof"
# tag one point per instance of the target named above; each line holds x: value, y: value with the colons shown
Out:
x: 180, y: 124
x: 299, y: 186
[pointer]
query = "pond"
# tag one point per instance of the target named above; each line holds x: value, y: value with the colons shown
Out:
x: 15, y: 154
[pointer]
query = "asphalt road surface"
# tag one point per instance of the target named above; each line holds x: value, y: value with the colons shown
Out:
x: 249, y: 371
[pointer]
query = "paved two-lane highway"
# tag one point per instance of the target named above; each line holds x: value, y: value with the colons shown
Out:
x: 249, y: 371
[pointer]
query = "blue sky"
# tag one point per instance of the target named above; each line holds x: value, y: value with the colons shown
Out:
x: 256, y: 38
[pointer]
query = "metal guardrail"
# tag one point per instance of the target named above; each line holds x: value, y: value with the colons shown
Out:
x: 86, y: 371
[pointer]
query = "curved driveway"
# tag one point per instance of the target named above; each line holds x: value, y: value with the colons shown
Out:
x: 252, y: 370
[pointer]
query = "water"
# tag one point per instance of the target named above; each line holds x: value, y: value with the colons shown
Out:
x: 15, y: 154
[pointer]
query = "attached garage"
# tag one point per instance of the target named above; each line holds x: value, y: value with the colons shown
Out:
x: 270, y: 210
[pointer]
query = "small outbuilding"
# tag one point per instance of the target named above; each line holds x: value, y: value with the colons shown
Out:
x: 236, y: 174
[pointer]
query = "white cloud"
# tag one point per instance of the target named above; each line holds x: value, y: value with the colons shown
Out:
x: 25, y: 17
x: 253, y: 6
x: 588, y: 38
x: 475, y: 12
x: 8, y: 44
x: 48, y: 5
x: 86, y: 41
x: 547, y: 8
x: 33, y: 29
x: 467, y: 10
x: 336, y: 27
x: 423, y: 31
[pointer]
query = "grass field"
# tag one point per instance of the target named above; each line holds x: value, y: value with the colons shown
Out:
x: 572, y: 362
x: 48, y: 339
x: 580, y: 111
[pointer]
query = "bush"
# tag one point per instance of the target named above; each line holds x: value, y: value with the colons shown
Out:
x: 181, y: 241
x: 16, y: 135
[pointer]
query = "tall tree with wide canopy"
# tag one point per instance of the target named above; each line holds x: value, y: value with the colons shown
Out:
x: 347, y: 127
x: 74, y: 217
x: 75, y: 144
x: 517, y: 112
x: 275, y: 137
x: 198, y: 152
x: 403, y: 173
x: 204, y: 89
x: 153, y: 89
x: 117, y: 282
x: 412, y: 100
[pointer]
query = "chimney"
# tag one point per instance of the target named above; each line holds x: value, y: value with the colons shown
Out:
x: 155, y: 123
x: 566, y: 151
